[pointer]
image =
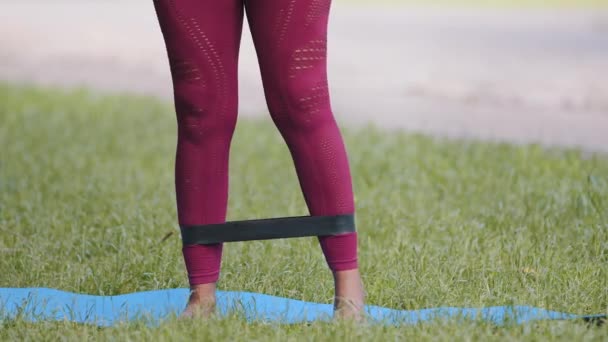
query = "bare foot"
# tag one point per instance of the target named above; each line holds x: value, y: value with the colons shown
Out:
x: 350, y: 296
x: 201, y: 302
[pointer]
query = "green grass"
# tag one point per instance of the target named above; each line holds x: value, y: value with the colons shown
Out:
x: 86, y: 197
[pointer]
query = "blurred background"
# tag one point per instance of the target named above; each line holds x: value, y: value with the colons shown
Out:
x: 517, y: 71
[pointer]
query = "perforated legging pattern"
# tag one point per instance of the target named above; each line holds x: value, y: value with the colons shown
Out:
x: 202, y: 39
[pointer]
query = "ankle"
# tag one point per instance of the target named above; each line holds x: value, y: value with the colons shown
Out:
x: 347, y: 308
x: 348, y: 286
x: 346, y: 275
x: 202, y: 293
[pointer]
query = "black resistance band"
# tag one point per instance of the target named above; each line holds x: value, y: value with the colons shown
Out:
x: 266, y: 229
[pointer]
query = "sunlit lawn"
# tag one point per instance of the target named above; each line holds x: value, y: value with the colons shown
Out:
x: 86, y: 197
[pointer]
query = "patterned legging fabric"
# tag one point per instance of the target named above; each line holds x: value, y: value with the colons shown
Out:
x: 202, y: 38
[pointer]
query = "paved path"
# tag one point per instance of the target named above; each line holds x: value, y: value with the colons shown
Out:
x: 514, y: 75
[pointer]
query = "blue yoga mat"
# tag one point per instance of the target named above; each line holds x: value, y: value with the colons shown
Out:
x: 37, y: 304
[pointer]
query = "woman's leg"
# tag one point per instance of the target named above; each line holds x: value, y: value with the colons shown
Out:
x: 202, y: 39
x: 290, y: 37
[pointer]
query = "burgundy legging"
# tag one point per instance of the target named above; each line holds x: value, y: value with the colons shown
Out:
x: 290, y: 36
